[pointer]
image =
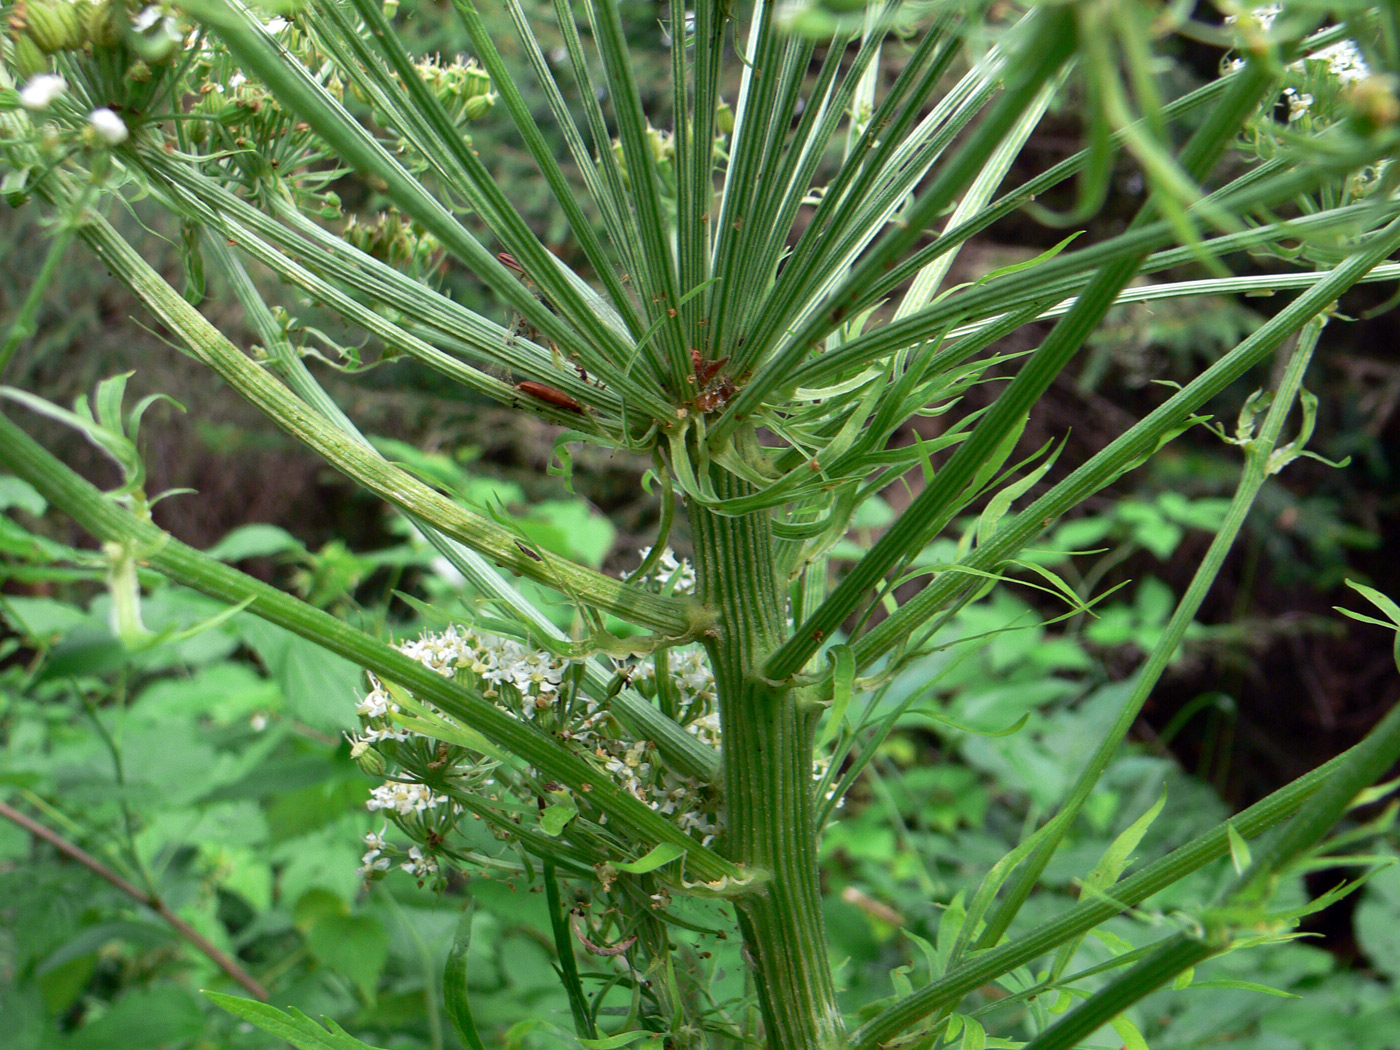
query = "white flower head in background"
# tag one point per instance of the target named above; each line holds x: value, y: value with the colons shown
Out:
x: 1345, y: 61
x: 42, y: 91
x: 669, y: 568
x: 110, y: 128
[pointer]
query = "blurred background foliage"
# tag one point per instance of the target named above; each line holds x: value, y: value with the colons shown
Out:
x: 212, y: 774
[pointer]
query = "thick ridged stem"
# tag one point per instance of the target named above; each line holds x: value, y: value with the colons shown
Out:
x: 767, y: 767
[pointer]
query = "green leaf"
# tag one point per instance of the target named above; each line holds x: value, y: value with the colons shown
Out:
x: 1128, y: 1032
x: 1240, y: 856
x: 163, y: 1016
x: 356, y: 946
x: 557, y: 816
x: 1382, y: 602
x: 255, y: 541
x: 1246, y: 986
x: 293, y: 1026
x: 1117, y: 856
x: 611, y: 1042
x: 655, y: 858
x: 842, y: 684
x: 15, y: 492
x: 319, y: 687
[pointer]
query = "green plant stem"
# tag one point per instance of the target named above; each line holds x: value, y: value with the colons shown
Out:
x: 564, y: 948
x: 1087, y: 914
x: 668, y: 615
x: 20, y: 454
x: 1245, y: 904
x: 911, y: 531
x: 1175, y: 956
x: 1127, y: 450
x: 767, y: 762
x: 215, y: 955
x: 681, y: 749
x: 1256, y: 472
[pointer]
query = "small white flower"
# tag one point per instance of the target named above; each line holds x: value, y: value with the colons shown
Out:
x: 40, y: 92
x: 404, y: 798
x: 374, y: 840
x: 371, y: 863
x: 1298, y: 104
x: 258, y: 722
x: 237, y: 81
x: 110, y: 128
x: 418, y: 865
x: 146, y: 18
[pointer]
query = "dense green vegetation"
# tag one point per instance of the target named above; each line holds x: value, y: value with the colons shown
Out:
x: 863, y: 764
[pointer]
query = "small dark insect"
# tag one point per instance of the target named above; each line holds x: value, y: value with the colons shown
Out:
x: 549, y: 395
x: 527, y: 551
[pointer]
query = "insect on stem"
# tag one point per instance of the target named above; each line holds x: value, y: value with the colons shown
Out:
x: 549, y: 395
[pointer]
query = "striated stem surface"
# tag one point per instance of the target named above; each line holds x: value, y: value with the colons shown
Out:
x: 767, y: 767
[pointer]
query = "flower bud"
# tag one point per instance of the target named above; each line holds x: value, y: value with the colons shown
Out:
x: 106, y: 23
x: 663, y: 146
x: 475, y: 80
x: 1373, y: 103
x: 724, y: 118
x: 477, y: 106
x: 108, y: 127
x: 56, y: 25
x: 369, y: 760
x: 29, y: 61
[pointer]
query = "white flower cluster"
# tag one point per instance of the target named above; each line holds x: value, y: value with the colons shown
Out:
x: 379, y: 854
x: 404, y: 797
x: 418, y: 864
x: 1265, y: 16
x: 1344, y: 59
x: 678, y: 573
x: 531, y: 685
x: 694, y: 684
x: 535, y: 676
x: 375, y: 859
x: 375, y: 709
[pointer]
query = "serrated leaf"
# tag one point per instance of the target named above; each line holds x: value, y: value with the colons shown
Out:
x: 293, y: 1025
x: 1120, y: 852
